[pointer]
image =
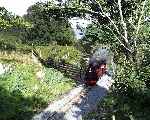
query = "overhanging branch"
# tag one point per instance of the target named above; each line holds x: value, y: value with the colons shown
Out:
x: 101, y: 12
x: 118, y: 39
x: 139, y: 23
x: 74, y: 12
x: 122, y: 22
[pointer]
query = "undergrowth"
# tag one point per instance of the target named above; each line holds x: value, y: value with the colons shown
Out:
x: 22, y: 94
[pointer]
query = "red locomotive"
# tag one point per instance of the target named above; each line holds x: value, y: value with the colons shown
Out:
x: 94, y: 72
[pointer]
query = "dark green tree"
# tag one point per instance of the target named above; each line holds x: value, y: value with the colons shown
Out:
x: 47, y: 29
x: 10, y: 22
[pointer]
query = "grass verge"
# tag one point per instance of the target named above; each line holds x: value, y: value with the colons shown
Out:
x: 22, y: 94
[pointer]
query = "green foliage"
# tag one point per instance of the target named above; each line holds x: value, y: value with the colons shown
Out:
x: 4, y: 18
x: 53, y: 77
x: 9, y: 22
x: 97, y: 34
x: 23, y: 95
x: 123, y: 108
x: 144, y: 68
x: 10, y: 41
x: 100, y: 34
x: 68, y: 53
x: 17, y: 107
x: 144, y: 34
x: 45, y: 28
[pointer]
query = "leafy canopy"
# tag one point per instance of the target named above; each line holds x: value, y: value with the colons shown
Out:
x: 46, y: 28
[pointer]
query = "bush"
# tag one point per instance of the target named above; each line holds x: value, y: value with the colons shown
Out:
x: 23, y: 95
x: 67, y: 53
x: 130, y: 94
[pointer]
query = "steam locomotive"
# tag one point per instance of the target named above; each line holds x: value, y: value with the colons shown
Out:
x: 95, y: 70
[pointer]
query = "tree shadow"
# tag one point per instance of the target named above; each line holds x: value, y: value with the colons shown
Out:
x: 14, y: 106
x: 7, y: 46
x: 135, y: 103
x: 47, y: 115
x: 86, y: 103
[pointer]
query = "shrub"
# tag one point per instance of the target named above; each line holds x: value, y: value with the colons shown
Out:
x: 22, y: 95
x: 130, y: 94
x: 67, y: 53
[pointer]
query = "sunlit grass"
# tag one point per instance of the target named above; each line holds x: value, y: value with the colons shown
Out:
x: 22, y: 93
x: 21, y: 83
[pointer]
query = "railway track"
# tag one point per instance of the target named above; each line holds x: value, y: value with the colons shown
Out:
x: 78, y: 102
x: 54, y: 110
x: 73, y: 101
x: 83, y: 102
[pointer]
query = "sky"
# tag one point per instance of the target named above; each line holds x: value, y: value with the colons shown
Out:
x: 19, y: 7
x: 82, y: 23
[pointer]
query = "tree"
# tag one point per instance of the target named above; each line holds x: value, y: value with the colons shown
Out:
x: 122, y: 19
x: 115, y: 15
x: 13, y: 23
x: 47, y: 29
x: 97, y: 34
x: 125, y: 25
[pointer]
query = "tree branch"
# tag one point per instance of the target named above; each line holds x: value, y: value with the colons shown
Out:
x: 118, y: 39
x: 122, y: 22
x: 117, y: 28
x: 67, y: 11
x: 130, y: 21
x: 139, y: 23
x: 101, y: 12
x: 142, y: 13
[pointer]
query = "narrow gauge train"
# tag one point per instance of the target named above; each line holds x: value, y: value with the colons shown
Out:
x: 94, y: 71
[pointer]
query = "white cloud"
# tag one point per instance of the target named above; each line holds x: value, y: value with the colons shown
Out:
x: 18, y: 7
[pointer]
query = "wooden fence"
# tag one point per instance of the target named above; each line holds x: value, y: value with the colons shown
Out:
x: 69, y: 70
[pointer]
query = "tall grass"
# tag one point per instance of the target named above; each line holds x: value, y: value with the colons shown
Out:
x: 22, y: 93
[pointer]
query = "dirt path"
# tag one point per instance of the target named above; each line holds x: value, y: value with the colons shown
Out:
x: 77, y: 103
